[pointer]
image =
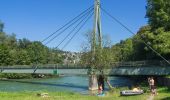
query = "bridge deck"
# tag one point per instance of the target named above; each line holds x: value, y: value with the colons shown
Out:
x: 83, y: 71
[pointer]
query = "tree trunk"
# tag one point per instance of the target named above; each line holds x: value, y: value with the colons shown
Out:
x: 93, y: 84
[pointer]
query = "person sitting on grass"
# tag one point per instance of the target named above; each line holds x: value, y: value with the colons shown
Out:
x: 136, y: 89
x: 100, y: 89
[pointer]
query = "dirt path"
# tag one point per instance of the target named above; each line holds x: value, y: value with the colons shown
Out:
x: 151, y: 97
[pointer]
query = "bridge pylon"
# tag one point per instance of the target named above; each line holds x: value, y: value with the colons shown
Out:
x: 96, y: 44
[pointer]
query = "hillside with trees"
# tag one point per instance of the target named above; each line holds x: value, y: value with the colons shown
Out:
x: 156, y: 34
x: 25, y: 52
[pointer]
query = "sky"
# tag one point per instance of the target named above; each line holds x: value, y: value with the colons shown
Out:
x: 37, y: 19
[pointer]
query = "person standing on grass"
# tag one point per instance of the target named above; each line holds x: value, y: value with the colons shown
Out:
x: 152, y: 83
x: 153, y: 87
x: 149, y: 82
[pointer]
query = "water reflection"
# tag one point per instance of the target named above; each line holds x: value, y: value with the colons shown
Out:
x: 67, y: 83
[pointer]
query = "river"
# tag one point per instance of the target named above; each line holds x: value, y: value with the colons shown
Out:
x: 77, y: 84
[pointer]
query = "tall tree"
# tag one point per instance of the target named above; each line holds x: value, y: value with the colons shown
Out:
x: 158, y: 13
x: 2, y: 34
x: 23, y: 43
x: 5, y: 58
x: 37, y: 52
x: 1, y: 26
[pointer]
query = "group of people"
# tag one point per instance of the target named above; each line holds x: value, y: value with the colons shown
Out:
x: 151, y: 82
x: 152, y: 86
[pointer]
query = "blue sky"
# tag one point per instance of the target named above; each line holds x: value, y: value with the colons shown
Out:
x: 36, y: 19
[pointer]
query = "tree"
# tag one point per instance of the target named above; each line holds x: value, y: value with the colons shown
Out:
x: 37, y: 52
x: 101, y: 57
x: 2, y: 37
x: 161, y: 43
x: 11, y: 41
x: 102, y: 60
x: 157, y: 39
x: 25, y: 52
x: 126, y: 50
x: 2, y: 34
x: 158, y: 13
x: 141, y: 51
x: 116, y: 52
x: 55, y: 57
x: 1, y: 26
x: 5, y: 58
x: 23, y: 43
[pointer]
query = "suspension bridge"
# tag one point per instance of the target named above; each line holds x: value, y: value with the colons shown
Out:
x: 157, y: 68
x: 76, y: 24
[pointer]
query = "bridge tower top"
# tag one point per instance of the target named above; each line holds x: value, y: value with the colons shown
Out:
x: 96, y: 40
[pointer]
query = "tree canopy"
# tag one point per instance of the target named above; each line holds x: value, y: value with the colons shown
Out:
x: 158, y: 13
x: 26, y: 52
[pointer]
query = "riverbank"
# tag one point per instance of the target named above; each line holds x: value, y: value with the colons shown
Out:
x: 164, y: 94
x: 62, y: 96
x: 25, y: 76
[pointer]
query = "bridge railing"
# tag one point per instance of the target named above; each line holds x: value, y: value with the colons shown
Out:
x: 44, y: 66
x: 128, y: 64
x: 148, y: 63
x: 58, y: 66
x: 151, y: 63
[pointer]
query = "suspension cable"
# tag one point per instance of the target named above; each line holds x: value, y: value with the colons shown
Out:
x: 82, y: 13
x: 72, y: 31
x: 67, y: 27
x: 77, y: 31
x: 115, y: 19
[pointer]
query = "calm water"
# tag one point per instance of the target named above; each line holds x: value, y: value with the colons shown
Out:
x: 65, y: 83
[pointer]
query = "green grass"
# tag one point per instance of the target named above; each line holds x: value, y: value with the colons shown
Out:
x: 64, y: 96
x: 168, y: 76
x: 164, y: 94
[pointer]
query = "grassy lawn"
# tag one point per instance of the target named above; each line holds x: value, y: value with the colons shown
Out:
x: 164, y: 94
x: 65, y: 96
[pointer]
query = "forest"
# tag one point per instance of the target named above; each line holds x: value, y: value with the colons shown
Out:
x: 25, y: 52
x: 155, y: 35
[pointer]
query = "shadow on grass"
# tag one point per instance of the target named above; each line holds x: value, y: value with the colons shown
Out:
x: 164, y: 90
x: 167, y: 98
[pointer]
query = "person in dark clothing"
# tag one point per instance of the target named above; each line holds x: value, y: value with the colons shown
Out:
x: 101, y: 81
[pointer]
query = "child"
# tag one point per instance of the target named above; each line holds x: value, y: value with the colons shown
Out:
x: 100, y: 89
